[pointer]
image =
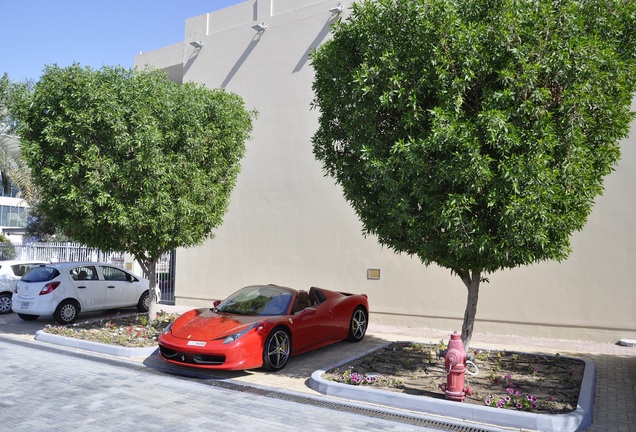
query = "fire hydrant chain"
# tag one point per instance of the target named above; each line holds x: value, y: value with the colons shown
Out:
x: 476, y: 372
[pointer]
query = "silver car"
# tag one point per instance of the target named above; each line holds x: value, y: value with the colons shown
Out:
x: 63, y: 290
x: 10, y: 273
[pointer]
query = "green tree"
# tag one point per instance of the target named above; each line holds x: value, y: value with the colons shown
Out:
x: 8, y: 142
x: 7, y: 250
x: 127, y: 160
x: 13, y: 168
x: 475, y: 134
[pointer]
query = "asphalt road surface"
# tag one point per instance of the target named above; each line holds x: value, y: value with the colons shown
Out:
x: 46, y: 388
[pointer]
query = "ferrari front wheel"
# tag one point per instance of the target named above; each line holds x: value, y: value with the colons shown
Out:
x: 276, y: 350
x: 358, y: 325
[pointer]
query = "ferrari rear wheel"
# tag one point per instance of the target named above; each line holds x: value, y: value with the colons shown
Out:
x: 358, y: 325
x: 277, y: 349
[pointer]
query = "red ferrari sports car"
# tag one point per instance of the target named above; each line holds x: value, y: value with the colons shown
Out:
x: 262, y: 326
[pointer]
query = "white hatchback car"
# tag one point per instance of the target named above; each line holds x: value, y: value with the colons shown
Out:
x: 10, y: 273
x: 65, y: 289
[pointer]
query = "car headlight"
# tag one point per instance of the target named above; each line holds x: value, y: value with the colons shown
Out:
x: 231, y: 338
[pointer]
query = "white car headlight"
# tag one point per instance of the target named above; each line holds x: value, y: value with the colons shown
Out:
x: 231, y: 338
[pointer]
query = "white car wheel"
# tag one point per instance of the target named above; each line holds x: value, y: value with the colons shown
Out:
x: 5, y: 303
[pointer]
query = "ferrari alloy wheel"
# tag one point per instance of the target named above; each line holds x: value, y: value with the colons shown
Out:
x: 277, y: 349
x: 358, y: 325
x: 5, y: 303
x: 66, y: 312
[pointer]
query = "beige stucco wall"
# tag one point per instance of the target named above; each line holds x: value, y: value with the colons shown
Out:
x: 290, y: 225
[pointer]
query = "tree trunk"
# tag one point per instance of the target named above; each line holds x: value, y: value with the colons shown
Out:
x: 149, y: 267
x: 472, y: 284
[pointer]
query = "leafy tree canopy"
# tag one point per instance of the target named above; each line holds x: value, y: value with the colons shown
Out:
x: 8, y: 144
x: 475, y: 134
x: 128, y: 160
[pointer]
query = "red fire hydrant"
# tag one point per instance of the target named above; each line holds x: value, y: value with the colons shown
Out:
x: 455, y: 365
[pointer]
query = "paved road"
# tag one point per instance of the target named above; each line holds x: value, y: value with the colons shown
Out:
x: 46, y: 388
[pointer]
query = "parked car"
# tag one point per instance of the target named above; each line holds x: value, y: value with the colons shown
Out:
x: 66, y: 289
x: 262, y: 326
x: 10, y: 273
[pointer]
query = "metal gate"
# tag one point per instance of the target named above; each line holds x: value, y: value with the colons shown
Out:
x: 165, y: 272
x: 67, y: 251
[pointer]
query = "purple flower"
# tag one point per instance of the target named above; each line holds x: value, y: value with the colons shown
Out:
x: 510, y: 390
x: 534, y: 406
x: 488, y: 402
x: 519, y: 406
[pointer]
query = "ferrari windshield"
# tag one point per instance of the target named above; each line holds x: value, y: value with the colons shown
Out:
x: 258, y: 300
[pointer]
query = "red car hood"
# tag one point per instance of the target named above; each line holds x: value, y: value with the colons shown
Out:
x: 210, y: 325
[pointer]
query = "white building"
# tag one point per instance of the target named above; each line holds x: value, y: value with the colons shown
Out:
x: 290, y: 225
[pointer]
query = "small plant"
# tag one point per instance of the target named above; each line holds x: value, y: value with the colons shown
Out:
x: 417, y: 347
x: 353, y: 378
x: 399, y: 346
x: 409, y: 363
x: 482, y: 355
x: 441, y: 345
x: 513, y: 400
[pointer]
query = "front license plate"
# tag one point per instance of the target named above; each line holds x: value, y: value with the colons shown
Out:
x: 196, y: 343
x: 24, y: 305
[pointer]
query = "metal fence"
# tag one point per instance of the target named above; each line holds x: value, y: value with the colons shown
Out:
x: 66, y: 251
x: 60, y: 252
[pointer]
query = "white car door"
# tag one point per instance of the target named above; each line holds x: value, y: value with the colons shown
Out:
x: 120, y: 291
x: 90, y: 290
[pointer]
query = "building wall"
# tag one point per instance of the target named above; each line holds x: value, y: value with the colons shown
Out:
x: 290, y: 225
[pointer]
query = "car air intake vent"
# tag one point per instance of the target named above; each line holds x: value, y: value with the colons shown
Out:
x: 209, y: 359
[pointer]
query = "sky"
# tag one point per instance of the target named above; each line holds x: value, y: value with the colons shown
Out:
x: 35, y: 33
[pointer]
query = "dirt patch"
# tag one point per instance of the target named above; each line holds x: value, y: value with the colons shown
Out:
x: 537, y: 383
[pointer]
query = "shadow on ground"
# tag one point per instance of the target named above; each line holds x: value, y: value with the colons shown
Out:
x: 298, y: 368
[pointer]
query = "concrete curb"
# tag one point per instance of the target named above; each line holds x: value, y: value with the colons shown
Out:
x: 113, y: 350
x: 578, y: 420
